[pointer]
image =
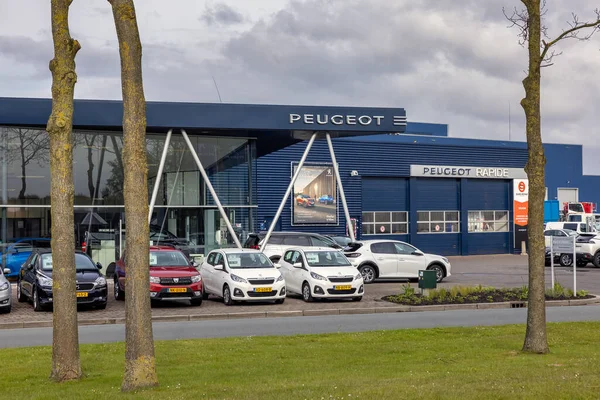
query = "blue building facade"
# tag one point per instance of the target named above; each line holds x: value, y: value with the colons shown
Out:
x: 401, y: 180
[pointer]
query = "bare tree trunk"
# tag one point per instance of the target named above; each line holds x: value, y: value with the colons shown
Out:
x: 65, y: 340
x: 535, y: 338
x: 140, y: 370
x: 23, y: 169
x: 90, y: 171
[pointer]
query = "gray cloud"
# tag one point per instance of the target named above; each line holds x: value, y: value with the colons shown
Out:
x: 221, y: 14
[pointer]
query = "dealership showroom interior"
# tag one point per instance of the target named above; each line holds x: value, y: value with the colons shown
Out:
x: 402, y: 180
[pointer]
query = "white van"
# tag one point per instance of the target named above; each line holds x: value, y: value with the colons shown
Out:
x: 579, y: 227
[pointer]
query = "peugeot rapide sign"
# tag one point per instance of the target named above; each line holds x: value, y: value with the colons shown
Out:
x: 451, y: 171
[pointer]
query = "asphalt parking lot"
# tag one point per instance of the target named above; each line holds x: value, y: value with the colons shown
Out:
x: 497, y: 271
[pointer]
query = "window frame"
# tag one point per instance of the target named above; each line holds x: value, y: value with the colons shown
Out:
x: 496, y: 221
x: 389, y: 223
x: 443, y: 223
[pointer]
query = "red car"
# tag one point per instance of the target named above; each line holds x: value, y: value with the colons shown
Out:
x: 172, y: 277
x: 305, y: 200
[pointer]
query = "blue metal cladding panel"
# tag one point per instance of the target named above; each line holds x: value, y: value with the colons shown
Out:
x: 445, y: 244
x: 486, y: 195
x: 384, y: 194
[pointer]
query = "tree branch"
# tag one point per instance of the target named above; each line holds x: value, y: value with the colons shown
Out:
x: 573, y: 33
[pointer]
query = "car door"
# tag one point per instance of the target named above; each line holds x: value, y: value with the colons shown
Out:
x: 285, y: 266
x: 17, y: 254
x: 386, y: 258
x: 410, y: 260
x: 548, y: 237
x: 207, y: 272
x: 296, y: 274
x: 28, y: 274
x: 219, y: 275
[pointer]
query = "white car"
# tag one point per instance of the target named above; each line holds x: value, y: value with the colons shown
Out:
x: 394, y: 259
x: 5, y: 292
x: 320, y: 272
x: 549, y: 233
x: 242, y: 275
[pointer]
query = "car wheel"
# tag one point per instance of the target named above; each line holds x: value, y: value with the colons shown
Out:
x: 196, y: 302
x: 359, y: 298
x: 306, y: 293
x: 368, y: 273
x: 439, y: 272
x: 566, y: 260
x: 20, y: 296
x: 596, y: 260
x: 119, y: 294
x: 227, y: 300
x: 36, y: 301
x: 279, y: 301
x: 110, y: 270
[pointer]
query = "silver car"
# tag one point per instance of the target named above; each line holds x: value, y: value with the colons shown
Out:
x: 5, y: 293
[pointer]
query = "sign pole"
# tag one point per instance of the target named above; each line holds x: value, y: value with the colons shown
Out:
x: 552, y: 262
x: 574, y: 269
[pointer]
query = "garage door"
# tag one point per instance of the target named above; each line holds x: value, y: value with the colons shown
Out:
x: 570, y: 195
x: 488, y: 217
x: 437, y: 199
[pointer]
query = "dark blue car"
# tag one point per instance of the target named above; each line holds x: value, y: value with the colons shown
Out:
x: 326, y: 199
x: 16, y: 252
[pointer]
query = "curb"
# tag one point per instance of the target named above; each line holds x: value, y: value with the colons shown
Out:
x: 307, y: 313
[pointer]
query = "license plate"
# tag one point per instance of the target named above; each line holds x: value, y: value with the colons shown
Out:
x: 82, y: 294
x: 263, y: 289
x: 177, y: 290
x: 343, y: 287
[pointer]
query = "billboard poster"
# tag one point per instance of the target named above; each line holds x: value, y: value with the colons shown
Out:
x: 314, y: 200
x: 521, y: 208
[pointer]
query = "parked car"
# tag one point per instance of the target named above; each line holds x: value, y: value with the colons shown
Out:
x: 242, y: 275
x: 172, y: 276
x: 16, y: 252
x: 35, y: 281
x: 566, y: 259
x: 326, y: 199
x: 320, y: 272
x: 579, y: 227
x: 279, y: 241
x: 5, y: 292
x: 394, y: 259
x: 305, y: 200
x: 343, y: 241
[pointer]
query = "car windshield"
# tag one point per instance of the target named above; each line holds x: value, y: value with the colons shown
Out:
x: 326, y: 259
x: 248, y: 260
x: 167, y: 259
x: 570, y: 232
x: 82, y: 263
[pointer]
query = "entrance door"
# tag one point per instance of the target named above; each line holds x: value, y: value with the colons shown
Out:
x: 570, y: 195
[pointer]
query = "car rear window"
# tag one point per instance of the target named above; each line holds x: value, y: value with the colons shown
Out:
x: 251, y: 242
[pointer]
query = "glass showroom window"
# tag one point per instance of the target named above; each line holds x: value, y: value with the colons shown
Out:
x: 488, y: 221
x: 438, y: 221
x: 385, y: 223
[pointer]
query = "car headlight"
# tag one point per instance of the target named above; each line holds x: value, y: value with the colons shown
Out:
x: 44, y: 281
x: 280, y: 278
x: 4, y: 286
x: 236, y: 278
x: 154, y: 279
x: 100, y: 281
x: 317, y: 276
x: 445, y: 260
x: 358, y: 276
x: 196, y: 278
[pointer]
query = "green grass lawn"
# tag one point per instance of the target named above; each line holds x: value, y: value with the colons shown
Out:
x: 455, y: 363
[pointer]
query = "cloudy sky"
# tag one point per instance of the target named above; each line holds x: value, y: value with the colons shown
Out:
x: 445, y: 61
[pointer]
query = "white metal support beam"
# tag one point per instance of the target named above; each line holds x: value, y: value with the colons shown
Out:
x: 339, y: 182
x: 288, y: 191
x: 211, y: 190
x: 161, y: 166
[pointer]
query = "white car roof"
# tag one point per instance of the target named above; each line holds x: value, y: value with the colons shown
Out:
x: 236, y: 250
x: 310, y: 248
x: 381, y: 241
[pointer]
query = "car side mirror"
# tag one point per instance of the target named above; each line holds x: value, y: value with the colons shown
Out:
x: 194, y: 264
x: 6, y: 271
x: 220, y: 267
x: 417, y: 253
x: 297, y: 265
x: 277, y: 265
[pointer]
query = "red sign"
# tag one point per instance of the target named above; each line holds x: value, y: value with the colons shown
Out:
x: 522, y: 186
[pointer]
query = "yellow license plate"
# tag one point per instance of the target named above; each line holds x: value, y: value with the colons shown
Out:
x: 343, y: 287
x: 177, y: 290
x: 263, y: 289
x: 82, y: 294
